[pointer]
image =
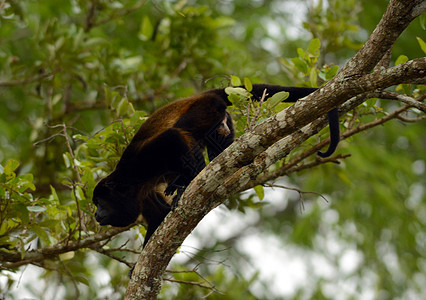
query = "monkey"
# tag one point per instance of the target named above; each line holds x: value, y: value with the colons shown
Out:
x: 166, y: 154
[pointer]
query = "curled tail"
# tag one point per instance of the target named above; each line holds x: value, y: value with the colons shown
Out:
x: 295, y: 93
x: 333, y: 121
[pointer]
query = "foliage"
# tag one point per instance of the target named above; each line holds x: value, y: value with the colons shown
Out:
x: 77, y: 78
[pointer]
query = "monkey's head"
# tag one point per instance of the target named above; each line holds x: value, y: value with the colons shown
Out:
x: 116, y: 203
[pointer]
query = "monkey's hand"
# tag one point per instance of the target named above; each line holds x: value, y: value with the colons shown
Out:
x: 176, y: 198
x: 174, y: 186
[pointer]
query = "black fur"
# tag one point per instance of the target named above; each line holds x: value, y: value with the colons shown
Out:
x: 165, y: 155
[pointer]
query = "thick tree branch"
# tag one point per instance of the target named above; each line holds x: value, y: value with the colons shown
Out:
x: 207, y: 191
x: 238, y: 176
x: 397, y: 17
x: 227, y: 172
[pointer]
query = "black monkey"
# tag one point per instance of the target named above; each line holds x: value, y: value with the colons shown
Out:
x: 166, y: 154
x: 166, y: 150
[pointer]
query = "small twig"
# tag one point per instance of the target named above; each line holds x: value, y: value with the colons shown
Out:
x: 248, y: 116
x: 124, y: 132
x: 77, y: 173
x: 109, y: 254
x: 301, y: 193
x: 411, y: 120
x: 196, y: 284
x: 63, y: 133
x: 210, y: 286
x: 47, y: 139
x: 403, y: 98
x: 254, y: 119
x: 24, y: 81
x: 334, y: 159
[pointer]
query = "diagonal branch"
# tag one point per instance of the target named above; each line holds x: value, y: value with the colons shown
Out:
x: 216, y: 181
x: 229, y: 171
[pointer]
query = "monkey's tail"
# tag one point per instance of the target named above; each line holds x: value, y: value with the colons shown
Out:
x: 333, y: 121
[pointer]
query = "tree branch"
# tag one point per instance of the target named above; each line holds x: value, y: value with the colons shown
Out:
x: 227, y: 172
x: 293, y: 166
x: 403, y: 98
x: 25, y: 81
x: 397, y: 17
x: 14, y: 260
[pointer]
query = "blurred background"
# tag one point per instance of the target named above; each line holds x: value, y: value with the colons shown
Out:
x: 78, y: 77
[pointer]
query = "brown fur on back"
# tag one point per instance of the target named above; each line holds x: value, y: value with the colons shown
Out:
x: 163, y: 119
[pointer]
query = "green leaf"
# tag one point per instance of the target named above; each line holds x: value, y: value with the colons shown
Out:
x: 21, y: 212
x: 96, y: 41
x: 80, y: 137
x: 11, y: 166
x: 54, y: 195
x: 59, y: 43
x: 66, y: 256
x: 79, y: 193
x: 7, y: 225
x: 260, y: 192
x: 122, y: 107
x: 235, y: 80
x: 41, y: 233
x: 422, y: 44
x: 422, y: 19
x: 82, y: 280
x: 147, y: 30
x: 78, y: 38
x: 300, y: 53
x: 277, y: 98
x: 401, y: 59
x: 314, y: 47
x: 233, y: 98
x: 300, y: 64
x: 26, y: 182
x: 247, y: 84
x: 237, y: 91
x: 221, y: 22
x: 281, y: 106
x: 36, y: 208
x: 130, y: 109
x: 3, y: 230
x: 67, y: 159
x: 332, y: 72
x: 109, y: 97
x: 313, y: 77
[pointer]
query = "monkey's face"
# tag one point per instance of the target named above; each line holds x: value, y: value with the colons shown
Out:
x: 116, y: 205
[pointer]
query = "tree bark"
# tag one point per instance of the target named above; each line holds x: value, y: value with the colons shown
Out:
x: 252, y: 152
